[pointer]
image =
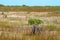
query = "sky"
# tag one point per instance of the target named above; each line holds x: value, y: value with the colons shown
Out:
x: 31, y: 2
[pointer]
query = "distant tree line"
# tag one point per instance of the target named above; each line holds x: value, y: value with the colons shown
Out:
x: 1, y: 5
x: 29, y: 8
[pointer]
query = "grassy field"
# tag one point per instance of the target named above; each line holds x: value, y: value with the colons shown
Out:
x: 15, y: 25
x: 47, y: 35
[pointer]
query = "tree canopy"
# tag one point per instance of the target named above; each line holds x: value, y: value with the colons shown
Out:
x: 34, y: 21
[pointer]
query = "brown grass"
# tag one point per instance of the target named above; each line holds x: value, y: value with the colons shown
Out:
x: 46, y: 35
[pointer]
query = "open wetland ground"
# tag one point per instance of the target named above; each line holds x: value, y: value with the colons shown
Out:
x: 14, y: 26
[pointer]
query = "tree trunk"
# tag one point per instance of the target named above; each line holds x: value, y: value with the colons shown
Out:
x: 35, y: 29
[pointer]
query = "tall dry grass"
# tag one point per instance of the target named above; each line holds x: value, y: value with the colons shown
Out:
x: 46, y: 35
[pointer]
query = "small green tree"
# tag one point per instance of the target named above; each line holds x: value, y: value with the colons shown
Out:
x: 35, y: 23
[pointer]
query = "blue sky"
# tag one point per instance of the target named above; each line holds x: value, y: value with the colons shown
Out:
x: 31, y: 2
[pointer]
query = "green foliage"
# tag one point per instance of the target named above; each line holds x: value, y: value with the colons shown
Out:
x: 23, y: 5
x: 34, y: 21
x: 1, y: 5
